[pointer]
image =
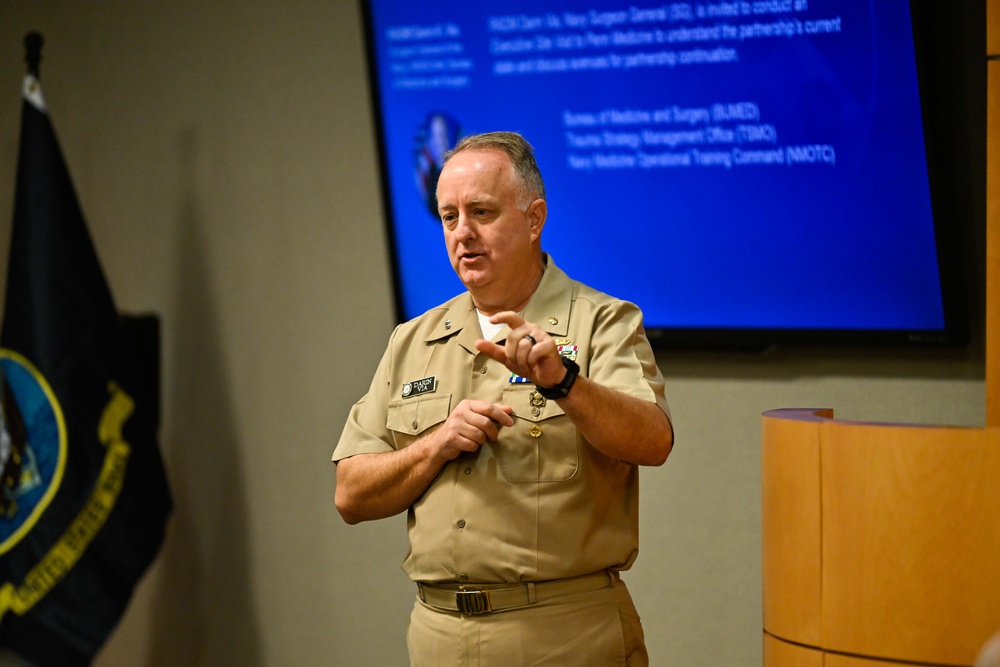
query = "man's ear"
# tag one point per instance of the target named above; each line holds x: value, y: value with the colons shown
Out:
x: 537, y: 212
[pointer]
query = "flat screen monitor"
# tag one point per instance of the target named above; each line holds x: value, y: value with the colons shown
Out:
x: 749, y: 173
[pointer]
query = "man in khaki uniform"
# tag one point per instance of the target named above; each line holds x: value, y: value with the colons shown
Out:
x: 509, y: 423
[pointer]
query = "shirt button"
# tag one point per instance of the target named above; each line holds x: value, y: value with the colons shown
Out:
x: 468, y: 471
x: 463, y: 577
x: 415, y: 424
x: 482, y: 369
x: 461, y: 523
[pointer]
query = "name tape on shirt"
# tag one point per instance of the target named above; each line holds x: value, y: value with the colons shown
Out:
x: 417, y: 387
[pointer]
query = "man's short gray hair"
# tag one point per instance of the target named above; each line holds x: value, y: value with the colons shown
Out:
x: 529, y: 183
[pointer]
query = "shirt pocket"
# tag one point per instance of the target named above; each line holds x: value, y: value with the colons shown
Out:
x: 409, y: 418
x: 542, y: 445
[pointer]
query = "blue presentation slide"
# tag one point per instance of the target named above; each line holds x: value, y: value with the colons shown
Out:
x: 744, y: 165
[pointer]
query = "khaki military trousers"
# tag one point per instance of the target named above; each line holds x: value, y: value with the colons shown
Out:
x: 595, y: 628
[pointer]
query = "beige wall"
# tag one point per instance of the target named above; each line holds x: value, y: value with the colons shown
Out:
x: 224, y: 157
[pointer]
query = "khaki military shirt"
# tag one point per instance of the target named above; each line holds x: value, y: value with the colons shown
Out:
x: 541, y: 502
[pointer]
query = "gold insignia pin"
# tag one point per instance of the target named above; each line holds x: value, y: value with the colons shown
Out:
x: 536, y: 399
x: 534, y: 432
x: 553, y: 321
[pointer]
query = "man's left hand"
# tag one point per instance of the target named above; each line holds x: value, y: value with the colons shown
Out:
x: 528, y: 351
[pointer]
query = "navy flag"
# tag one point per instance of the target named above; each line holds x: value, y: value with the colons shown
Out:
x: 83, y: 496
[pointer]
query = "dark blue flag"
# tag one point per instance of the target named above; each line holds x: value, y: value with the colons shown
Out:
x: 84, y: 499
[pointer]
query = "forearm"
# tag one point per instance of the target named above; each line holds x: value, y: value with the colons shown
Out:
x: 375, y: 486
x: 619, y: 425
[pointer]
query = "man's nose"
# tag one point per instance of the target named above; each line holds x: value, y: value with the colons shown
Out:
x: 465, y: 230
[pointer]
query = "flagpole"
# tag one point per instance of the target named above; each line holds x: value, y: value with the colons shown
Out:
x: 33, y: 42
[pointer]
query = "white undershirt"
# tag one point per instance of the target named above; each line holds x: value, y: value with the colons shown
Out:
x: 488, y: 328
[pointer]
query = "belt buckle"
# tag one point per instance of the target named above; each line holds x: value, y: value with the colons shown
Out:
x: 471, y: 603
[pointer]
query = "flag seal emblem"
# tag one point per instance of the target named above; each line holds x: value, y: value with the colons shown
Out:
x: 32, y: 447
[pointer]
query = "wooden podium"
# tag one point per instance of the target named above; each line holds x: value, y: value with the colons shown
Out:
x: 881, y: 542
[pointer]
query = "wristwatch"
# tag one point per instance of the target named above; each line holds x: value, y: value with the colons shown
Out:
x: 562, y: 389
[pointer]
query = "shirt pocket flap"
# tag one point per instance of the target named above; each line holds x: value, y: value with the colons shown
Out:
x: 414, y: 415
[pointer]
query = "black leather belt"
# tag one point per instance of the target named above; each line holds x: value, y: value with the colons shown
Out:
x: 472, y: 599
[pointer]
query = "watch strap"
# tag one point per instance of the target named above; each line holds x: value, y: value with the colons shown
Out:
x: 562, y: 389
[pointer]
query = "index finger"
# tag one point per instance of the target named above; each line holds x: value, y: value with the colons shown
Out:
x: 508, y: 317
x: 498, y: 413
x: 492, y: 350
